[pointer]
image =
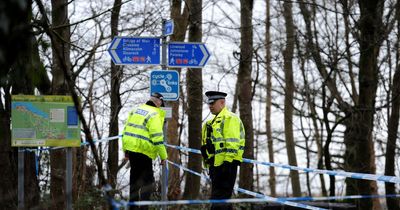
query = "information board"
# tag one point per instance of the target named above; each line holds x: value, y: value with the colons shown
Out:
x: 44, y: 121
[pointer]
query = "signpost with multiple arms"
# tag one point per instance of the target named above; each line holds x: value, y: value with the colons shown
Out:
x: 146, y: 51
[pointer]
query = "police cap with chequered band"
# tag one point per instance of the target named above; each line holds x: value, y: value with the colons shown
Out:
x: 215, y: 95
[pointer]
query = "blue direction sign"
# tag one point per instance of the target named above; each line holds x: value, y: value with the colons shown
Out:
x: 135, y: 50
x: 168, y: 28
x: 183, y: 54
x: 165, y: 82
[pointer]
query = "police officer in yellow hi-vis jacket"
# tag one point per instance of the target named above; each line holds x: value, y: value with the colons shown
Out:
x: 142, y: 142
x: 222, y: 147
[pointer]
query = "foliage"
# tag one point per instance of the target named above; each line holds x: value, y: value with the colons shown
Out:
x: 92, y: 199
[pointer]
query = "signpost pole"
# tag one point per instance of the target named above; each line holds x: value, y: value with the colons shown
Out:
x: 68, y: 180
x: 164, y: 175
x: 164, y: 47
x: 20, y: 179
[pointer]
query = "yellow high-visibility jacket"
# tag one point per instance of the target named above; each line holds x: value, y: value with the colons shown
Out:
x: 227, y: 136
x: 143, y: 132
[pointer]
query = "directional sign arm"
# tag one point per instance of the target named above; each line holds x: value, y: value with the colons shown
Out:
x: 112, y: 50
x: 206, y: 55
x: 181, y: 55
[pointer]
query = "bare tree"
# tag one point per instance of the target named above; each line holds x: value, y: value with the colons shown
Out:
x: 59, y: 14
x: 116, y: 74
x: 309, y: 97
x: 289, y: 91
x: 392, y: 203
x: 358, y: 136
x: 272, y: 175
x: 358, y: 118
x: 195, y: 104
x: 180, y: 17
x: 392, y: 137
x: 14, y: 43
x: 245, y: 94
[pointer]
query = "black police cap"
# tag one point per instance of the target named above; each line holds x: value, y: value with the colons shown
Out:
x: 215, y: 95
x: 159, y: 96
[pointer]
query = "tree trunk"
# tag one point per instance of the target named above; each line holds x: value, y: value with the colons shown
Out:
x: 60, y: 44
x: 272, y: 176
x: 22, y: 83
x: 174, y: 180
x: 289, y: 91
x: 8, y: 155
x: 195, y: 105
x: 359, y: 155
x: 116, y: 75
x: 21, y: 80
x: 313, y: 115
x: 390, y: 188
x: 245, y: 90
x: 393, y: 203
x: 13, y: 44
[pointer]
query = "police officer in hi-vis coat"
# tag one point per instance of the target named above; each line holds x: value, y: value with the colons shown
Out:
x: 142, y: 142
x: 223, y: 139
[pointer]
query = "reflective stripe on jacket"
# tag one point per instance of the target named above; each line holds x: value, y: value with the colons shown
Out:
x: 228, y: 137
x: 143, y: 132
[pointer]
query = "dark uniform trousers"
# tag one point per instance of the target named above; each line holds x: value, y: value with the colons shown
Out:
x: 222, y: 181
x: 141, y: 178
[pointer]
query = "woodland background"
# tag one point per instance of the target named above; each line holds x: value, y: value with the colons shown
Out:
x: 316, y: 84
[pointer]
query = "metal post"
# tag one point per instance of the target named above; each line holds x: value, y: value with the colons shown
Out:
x: 21, y: 173
x: 164, y: 173
x: 163, y: 47
x: 68, y: 180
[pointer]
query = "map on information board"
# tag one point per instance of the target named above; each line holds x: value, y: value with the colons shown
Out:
x: 44, y: 121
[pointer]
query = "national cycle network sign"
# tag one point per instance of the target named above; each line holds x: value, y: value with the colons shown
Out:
x: 165, y: 82
x: 135, y: 50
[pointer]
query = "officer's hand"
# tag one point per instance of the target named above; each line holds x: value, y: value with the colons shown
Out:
x: 126, y: 158
x: 162, y: 162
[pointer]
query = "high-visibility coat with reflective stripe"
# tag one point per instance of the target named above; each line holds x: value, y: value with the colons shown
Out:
x: 143, y: 132
x: 227, y: 136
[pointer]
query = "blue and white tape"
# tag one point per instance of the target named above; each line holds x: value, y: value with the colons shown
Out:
x: 257, y: 195
x: 102, y: 140
x: 82, y: 144
x: 373, y: 177
x: 119, y: 204
x: 348, y: 197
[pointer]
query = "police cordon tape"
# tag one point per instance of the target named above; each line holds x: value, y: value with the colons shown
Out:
x: 348, y: 197
x: 186, y: 202
x: 82, y: 144
x: 119, y: 204
x: 373, y: 177
x: 259, y: 197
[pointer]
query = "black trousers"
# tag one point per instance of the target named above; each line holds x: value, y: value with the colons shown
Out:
x: 141, y: 178
x: 222, y: 181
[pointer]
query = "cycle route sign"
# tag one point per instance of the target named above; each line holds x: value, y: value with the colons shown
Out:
x: 187, y: 55
x: 165, y: 82
x: 135, y: 50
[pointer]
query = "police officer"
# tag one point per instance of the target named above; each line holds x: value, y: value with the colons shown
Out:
x: 222, y: 147
x: 142, y: 142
